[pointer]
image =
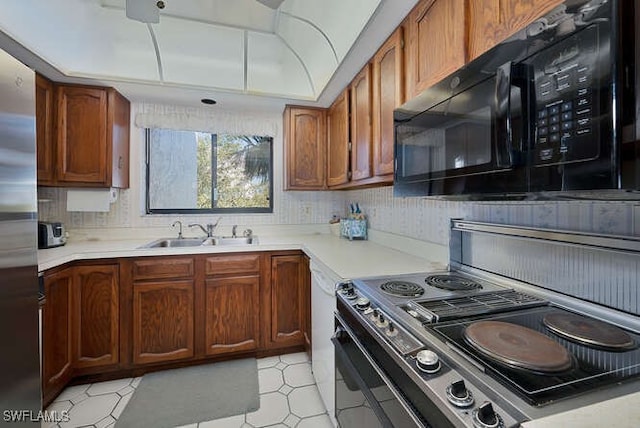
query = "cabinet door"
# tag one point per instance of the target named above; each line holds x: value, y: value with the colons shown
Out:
x: 57, y: 354
x: 96, y: 316
x: 491, y: 21
x: 232, y: 315
x: 118, y: 137
x: 436, y: 41
x: 517, y: 14
x: 338, y: 141
x: 287, y: 301
x: 361, y: 125
x: 388, y: 91
x: 44, y: 131
x: 81, y: 142
x: 162, y: 321
x: 305, y: 145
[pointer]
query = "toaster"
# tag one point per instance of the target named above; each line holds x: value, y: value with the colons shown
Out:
x: 51, y: 234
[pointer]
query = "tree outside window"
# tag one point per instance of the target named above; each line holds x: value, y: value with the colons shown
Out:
x: 200, y: 172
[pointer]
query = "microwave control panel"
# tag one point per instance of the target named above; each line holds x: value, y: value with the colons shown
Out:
x: 567, y: 92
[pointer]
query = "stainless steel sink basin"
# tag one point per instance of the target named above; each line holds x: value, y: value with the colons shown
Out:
x: 230, y: 240
x: 197, y: 242
x: 174, y: 242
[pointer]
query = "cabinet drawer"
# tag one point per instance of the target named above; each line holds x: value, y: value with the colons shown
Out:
x: 163, y: 268
x: 237, y: 263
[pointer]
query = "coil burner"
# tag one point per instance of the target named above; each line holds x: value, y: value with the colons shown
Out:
x: 402, y: 288
x: 452, y: 282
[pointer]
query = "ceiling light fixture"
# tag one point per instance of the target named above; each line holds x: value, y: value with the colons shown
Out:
x: 208, y: 101
x: 273, y: 4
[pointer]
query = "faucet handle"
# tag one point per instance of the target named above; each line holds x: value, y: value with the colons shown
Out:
x: 178, y: 222
x: 247, y: 233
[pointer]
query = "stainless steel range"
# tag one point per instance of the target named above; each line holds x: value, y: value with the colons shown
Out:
x: 500, y: 339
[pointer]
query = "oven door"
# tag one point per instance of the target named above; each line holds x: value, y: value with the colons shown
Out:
x: 469, y: 143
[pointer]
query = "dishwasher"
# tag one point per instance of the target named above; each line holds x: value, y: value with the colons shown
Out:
x: 323, y: 306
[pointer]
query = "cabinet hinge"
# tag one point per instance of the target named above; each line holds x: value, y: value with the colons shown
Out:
x: 349, y: 146
x: 349, y: 175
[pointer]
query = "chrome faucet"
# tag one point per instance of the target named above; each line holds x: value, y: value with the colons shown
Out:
x: 210, y: 227
x: 233, y: 230
x: 208, y: 230
x: 178, y: 222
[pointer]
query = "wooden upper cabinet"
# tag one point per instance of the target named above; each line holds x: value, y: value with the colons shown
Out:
x: 96, y: 315
x: 44, y: 130
x: 485, y: 26
x: 436, y: 36
x: 491, y: 21
x: 92, y: 137
x: 305, y: 148
x: 388, y: 94
x: 338, y: 141
x: 361, y: 153
x: 517, y: 14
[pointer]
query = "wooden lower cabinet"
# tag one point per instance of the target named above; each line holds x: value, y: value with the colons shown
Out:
x: 232, y: 315
x: 113, y: 318
x: 96, y: 315
x: 162, y: 321
x: 57, y: 354
x: 287, y: 301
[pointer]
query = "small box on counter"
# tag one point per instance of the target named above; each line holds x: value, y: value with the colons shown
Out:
x: 353, y: 228
x: 355, y: 225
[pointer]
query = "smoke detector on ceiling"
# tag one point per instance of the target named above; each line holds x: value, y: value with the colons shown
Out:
x: 147, y: 11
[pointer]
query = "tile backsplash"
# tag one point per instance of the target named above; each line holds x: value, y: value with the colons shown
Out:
x: 420, y: 218
x: 427, y: 219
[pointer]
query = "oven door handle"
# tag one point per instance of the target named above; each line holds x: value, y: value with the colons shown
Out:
x: 392, y: 387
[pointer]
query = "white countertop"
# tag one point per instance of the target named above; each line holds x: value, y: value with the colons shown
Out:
x: 347, y: 259
x: 621, y: 412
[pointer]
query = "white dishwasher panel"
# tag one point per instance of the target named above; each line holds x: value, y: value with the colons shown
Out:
x: 323, y: 305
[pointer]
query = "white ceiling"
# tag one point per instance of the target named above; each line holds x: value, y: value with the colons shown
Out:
x: 231, y: 50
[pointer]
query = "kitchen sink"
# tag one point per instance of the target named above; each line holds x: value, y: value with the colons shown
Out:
x: 231, y: 240
x: 197, y: 242
x: 174, y: 242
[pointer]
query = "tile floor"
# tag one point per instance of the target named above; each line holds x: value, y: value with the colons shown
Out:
x: 288, y: 398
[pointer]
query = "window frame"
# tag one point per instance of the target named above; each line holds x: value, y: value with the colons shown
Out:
x: 214, y: 210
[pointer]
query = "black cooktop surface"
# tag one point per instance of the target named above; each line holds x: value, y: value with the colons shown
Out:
x: 591, y: 367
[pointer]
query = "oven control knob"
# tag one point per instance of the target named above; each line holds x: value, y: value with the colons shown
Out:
x: 382, y: 321
x: 351, y: 293
x: 362, y: 303
x: 428, y: 361
x: 392, y: 331
x: 485, y: 417
x: 459, y: 395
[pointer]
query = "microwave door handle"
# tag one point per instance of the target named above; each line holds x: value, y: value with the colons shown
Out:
x: 503, y: 125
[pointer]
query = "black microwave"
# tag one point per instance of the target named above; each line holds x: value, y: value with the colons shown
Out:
x: 550, y: 112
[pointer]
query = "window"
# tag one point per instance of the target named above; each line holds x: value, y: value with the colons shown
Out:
x: 197, y: 172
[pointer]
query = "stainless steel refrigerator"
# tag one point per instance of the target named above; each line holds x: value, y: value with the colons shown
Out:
x: 19, y: 343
